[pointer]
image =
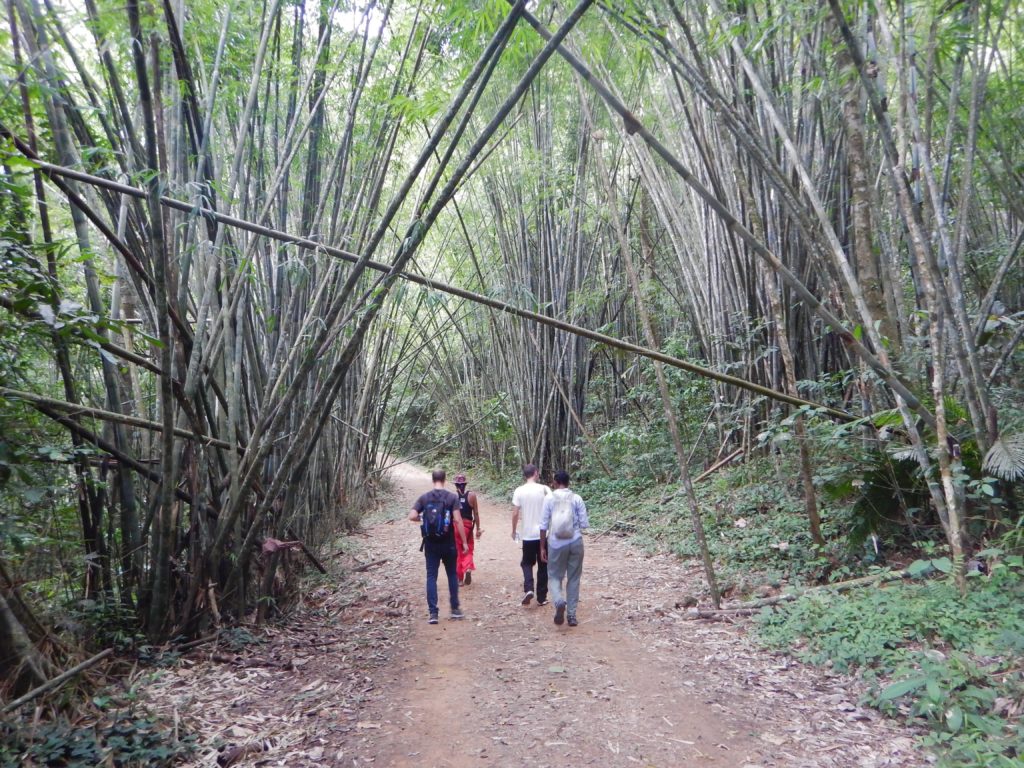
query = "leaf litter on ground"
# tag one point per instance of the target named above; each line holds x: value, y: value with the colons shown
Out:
x: 320, y: 689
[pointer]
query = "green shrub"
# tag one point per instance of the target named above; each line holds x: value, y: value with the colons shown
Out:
x: 932, y: 656
x: 756, y: 528
x: 123, y: 739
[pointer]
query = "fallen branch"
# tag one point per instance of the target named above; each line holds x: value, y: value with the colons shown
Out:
x: 309, y: 555
x: 718, y: 465
x: 721, y: 614
x: 864, y: 581
x: 753, y: 606
x: 237, y: 661
x: 58, y: 681
x: 766, y: 601
x: 196, y: 643
x: 614, y: 526
x: 368, y: 566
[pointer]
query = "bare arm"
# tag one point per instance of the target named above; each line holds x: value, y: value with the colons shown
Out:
x: 543, y: 545
x: 584, y: 516
x: 475, y: 506
x: 515, y: 520
x: 414, y: 516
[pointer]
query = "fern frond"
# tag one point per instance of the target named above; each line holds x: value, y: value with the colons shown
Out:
x: 1005, y: 459
x: 906, y: 453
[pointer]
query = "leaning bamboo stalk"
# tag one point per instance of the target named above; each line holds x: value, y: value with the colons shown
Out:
x: 633, y: 126
x: 57, y: 681
x: 311, y: 425
x: 23, y: 664
x: 949, y: 291
x: 75, y: 409
x: 944, y: 492
x: 1008, y: 351
x: 835, y: 250
x: 754, y: 606
x: 718, y: 465
x: 1005, y: 263
x: 669, y: 408
x: 477, y: 298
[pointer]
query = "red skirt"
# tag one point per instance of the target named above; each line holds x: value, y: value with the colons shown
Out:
x: 465, y: 562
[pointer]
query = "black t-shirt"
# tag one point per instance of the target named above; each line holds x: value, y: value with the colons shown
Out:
x: 464, y: 507
x: 446, y: 497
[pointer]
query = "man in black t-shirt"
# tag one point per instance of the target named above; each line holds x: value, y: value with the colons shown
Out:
x: 441, y: 549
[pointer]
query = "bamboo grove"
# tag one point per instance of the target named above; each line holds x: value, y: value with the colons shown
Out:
x: 253, y: 251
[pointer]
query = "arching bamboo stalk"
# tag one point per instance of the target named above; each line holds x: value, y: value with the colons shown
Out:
x: 455, y: 291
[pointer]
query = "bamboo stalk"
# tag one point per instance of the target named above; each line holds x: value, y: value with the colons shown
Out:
x: 58, y: 681
x: 437, y: 285
x: 717, y: 465
x: 75, y: 409
x: 632, y: 126
x: 754, y: 606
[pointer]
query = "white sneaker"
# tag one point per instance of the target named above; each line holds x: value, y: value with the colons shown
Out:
x: 527, y: 597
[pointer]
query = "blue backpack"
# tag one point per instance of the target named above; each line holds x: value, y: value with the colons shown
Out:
x: 436, y: 521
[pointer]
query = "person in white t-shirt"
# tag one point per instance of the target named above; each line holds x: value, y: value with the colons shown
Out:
x: 527, y: 505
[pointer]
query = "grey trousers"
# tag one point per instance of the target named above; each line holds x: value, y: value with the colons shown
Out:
x: 565, y: 563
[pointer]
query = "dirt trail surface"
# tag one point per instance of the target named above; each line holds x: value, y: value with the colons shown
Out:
x: 359, y: 677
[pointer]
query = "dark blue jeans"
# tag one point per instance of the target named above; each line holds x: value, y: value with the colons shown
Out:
x: 438, y: 552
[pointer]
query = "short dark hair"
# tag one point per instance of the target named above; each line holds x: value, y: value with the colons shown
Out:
x: 438, y: 475
x: 529, y: 470
x: 562, y: 478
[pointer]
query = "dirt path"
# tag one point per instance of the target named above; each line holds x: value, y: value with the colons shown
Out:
x: 362, y: 678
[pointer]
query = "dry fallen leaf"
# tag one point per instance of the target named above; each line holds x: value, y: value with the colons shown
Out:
x: 356, y: 692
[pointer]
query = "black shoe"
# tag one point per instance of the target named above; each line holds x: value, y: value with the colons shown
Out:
x: 468, y: 578
x: 527, y: 597
x: 559, y: 614
x: 457, y: 614
x: 432, y: 619
x: 543, y: 601
x: 571, y: 620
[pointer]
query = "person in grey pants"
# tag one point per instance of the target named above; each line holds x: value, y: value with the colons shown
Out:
x: 564, y: 556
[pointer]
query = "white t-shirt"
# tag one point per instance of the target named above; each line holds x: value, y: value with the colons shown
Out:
x: 529, y: 497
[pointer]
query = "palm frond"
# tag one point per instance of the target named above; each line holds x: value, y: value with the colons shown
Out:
x: 907, y: 453
x: 1005, y: 459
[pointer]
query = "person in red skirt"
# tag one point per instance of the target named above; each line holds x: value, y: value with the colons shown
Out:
x: 470, y: 510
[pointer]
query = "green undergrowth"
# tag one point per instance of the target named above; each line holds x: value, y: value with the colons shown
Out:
x: 929, y: 656
x: 116, y: 738
x: 757, y: 532
x: 951, y: 665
